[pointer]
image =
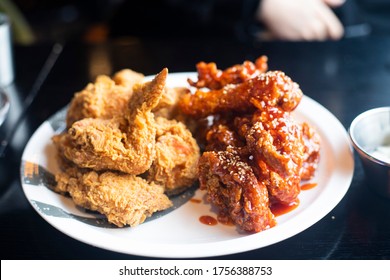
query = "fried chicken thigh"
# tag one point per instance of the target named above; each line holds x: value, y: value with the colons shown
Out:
x: 125, y: 199
x: 177, y: 155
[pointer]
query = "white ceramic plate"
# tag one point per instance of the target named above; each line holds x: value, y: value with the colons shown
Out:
x: 178, y: 233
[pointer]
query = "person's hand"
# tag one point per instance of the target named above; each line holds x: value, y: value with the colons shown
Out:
x: 301, y: 19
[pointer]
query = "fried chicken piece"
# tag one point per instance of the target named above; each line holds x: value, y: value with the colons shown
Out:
x: 168, y: 108
x: 271, y: 89
x: 125, y: 199
x: 276, y: 142
x: 128, y: 78
x: 233, y: 187
x: 168, y: 105
x: 220, y: 136
x: 312, y: 143
x: 106, y: 98
x: 177, y: 155
x: 125, y: 143
x: 256, y: 153
x: 211, y: 77
x: 277, y: 138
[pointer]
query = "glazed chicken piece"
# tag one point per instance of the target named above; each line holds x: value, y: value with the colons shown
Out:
x: 276, y: 142
x: 209, y: 76
x: 106, y: 98
x: 177, y: 155
x: 219, y: 136
x: 125, y: 143
x: 274, y: 146
x: 276, y: 138
x: 271, y: 89
x: 312, y: 143
x: 233, y: 187
x: 256, y: 154
x: 124, y: 199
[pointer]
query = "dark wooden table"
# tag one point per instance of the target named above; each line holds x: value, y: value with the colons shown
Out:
x: 347, y: 77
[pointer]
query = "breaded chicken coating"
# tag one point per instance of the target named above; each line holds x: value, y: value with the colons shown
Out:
x: 125, y: 144
x: 105, y: 98
x: 209, y: 76
x: 124, y: 199
x: 177, y: 154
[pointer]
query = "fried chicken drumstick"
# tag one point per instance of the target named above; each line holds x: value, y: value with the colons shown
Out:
x: 271, y: 89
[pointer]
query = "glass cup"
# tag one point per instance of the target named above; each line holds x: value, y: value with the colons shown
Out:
x: 6, y: 65
x: 4, y: 106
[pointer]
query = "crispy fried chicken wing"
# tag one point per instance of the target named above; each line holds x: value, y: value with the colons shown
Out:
x: 233, y: 187
x: 271, y: 89
x: 105, y: 98
x: 125, y: 143
x: 177, y: 155
x: 168, y: 105
x: 125, y: 199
